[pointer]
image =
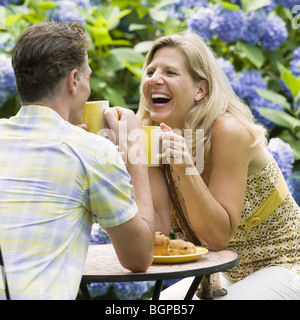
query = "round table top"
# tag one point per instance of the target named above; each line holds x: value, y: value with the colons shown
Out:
x: 102, y: 265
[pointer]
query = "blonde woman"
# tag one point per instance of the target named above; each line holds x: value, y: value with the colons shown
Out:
x: 219, y: 201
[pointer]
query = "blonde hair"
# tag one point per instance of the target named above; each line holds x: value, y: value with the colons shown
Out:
x: 202, y: 64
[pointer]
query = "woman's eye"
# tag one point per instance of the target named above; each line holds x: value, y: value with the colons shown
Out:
x: 171, y: 72
x: 149, y: 73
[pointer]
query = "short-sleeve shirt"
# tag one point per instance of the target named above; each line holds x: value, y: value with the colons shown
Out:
x: 55, y: 180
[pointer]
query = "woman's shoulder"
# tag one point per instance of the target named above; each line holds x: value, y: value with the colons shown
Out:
x: 231, y: 137
x: 228, y: 127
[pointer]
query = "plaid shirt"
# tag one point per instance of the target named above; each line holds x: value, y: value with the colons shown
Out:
x: 54, y: 179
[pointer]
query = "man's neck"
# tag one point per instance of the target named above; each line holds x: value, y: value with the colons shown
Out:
x: 56, y: 105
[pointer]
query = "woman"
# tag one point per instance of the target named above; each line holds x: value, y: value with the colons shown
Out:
x: 184, y: 88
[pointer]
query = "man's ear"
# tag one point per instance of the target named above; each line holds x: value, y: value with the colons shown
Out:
x: 72, y: 81
x: 202, y: 89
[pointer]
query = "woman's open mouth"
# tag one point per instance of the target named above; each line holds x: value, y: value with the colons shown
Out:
x: 160, y: 99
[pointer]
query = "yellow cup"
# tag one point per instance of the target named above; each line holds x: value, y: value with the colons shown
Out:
x: 92, y: 115
x: 152, y: 144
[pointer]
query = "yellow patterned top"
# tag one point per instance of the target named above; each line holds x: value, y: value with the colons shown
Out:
x: 276, y: 240
x: 273, y: 242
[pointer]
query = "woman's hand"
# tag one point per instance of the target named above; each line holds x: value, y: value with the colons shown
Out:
x: 128, y: 135
x: 83, y: 126
x: 175, y: 148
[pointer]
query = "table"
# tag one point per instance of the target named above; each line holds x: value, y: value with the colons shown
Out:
x: 102, y: 265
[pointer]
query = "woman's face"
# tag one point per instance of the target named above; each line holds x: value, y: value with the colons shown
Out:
x: 169, y: 89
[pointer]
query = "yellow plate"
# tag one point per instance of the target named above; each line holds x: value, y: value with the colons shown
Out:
x: 180, y: 258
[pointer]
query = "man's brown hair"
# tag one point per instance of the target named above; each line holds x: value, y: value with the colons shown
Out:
x: 44, y: 55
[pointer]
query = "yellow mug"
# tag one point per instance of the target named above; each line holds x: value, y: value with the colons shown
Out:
x: 152, y: 144
x: 92, y: 115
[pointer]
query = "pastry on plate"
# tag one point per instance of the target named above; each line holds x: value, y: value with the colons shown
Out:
x: 180, y: 247
x: 161, y: 244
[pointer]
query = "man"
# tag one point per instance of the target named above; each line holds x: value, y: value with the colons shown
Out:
x: 55, y: 177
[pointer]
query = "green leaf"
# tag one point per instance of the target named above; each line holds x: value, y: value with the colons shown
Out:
x: 131, y: 59
x: 128, y: 54
x: 288, y: 137
x: 97, y: 84
x: 274, y: 97
x: 4, y: 36
x: 163, y: 4
x: 13, y: 19
x: 114, y: 97
x: 114, y: 20
x: 111, y: 64
x: 252, y: 5
x: 281, y: 118
x: 137, y: 71
x: 172, y: 25
x: 2, y: 18
x: 253, y: 54
x: 120, y: 42
x: 228, y: 5
x: 46, y: 5
x: 158, y: 15
x: 143, y: 46
x: 289, y: 79
x: 136, y: 26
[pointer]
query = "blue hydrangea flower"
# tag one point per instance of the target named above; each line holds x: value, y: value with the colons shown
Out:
x: 270, y: 7
x: 6, y: 3
x: 200, y: 22
x: 7, y: 45
x: 67, y: 12
x: 294, y: 186
x: 8, y: 85
x: 295, y: 67
x: 176, y: 10
x: 98, y: 235
x: 285, y: 90
x: 283, y: 153
x: 228, y: 68
x: 295, y: 63
x: 259, y: 101
x: 84, y: 4
x: 131, y: 290
x: 229, y: 71
x: 275, y: 32
x: 170, y: 282
x: 249, y: 81
x: 238, y: 2
x: 297, y: 53
x: 288, y: 3
x: 99, y: 289
x: 98, y: 3
x: 227, y: 24
x: 254, y: 26
x: 266, y: 9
